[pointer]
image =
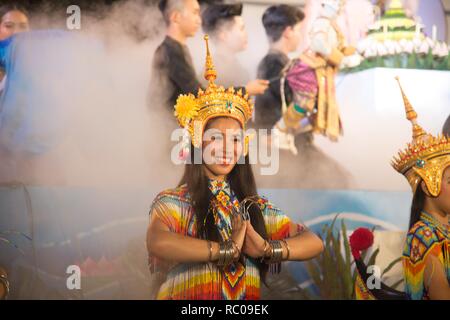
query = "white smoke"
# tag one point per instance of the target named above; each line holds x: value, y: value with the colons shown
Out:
x: 93, y: 91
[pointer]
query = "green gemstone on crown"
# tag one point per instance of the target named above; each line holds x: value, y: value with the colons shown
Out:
x: 420, y: 163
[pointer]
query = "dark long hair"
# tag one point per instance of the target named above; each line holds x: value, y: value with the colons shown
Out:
x: 417, y: 205
x: 242, y: 182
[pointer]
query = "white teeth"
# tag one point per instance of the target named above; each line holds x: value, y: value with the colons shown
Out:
x: 222, y: 160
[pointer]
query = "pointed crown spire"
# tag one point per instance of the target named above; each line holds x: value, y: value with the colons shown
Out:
x: 411, y: 115
x: 210, y: 71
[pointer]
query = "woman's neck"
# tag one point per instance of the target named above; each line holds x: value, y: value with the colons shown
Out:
x: 212, y: 176
x: 437, y: 214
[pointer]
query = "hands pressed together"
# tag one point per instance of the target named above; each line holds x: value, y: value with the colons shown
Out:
x: 167, y: 245
x: 246, y: 238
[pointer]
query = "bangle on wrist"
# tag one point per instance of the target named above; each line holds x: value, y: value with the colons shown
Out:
x: 227, y: 252
x: 266, y: 247
x: 237, y: 249
x: 210, y: 250
x: 267, y: 251
x: 276, y: 254
x: 231, y: 251
x: 287, y: 249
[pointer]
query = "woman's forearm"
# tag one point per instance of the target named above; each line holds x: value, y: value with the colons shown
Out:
x: 304, y: 246
x: 171, y: 246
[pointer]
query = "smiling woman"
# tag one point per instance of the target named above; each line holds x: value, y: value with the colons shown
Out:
x: 213, y: 237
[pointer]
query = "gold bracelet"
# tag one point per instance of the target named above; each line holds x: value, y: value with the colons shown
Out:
x: 237, y: 248
x: 230, y: 252
x: 287, y: 248
x: 226, y: 253
x: 210, y: 251
x: 266, y: 246
x: 277, y: 252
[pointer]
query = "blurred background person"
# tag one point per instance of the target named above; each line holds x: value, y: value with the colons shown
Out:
x: 282, y: 24
x: 310, y: 167
x: 226, y: 28
x: 173, y: 72
x: 13, y: 19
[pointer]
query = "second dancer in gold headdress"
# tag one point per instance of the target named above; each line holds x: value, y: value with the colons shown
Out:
x: 425, y: 163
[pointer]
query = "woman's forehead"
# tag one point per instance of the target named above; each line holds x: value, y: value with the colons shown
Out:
x: 224, y: 131
x: 224, y: 123
x: 14, y: 16
x: 447, y: 172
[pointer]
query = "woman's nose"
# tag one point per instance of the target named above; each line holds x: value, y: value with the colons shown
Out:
x: 227, y: 146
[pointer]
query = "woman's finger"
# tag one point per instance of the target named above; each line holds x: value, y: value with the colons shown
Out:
x: 250, y: 230
x: 234, y: 222
x: 239, y: 220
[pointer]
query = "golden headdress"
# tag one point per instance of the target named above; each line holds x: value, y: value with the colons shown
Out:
x: 425, y: 158
x: 194, y: 112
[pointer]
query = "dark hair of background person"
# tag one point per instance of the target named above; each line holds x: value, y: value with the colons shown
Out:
x: 215, y: 16
x: 277, y: 18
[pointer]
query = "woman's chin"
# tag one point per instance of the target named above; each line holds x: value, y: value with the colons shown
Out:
x: 222, y: 169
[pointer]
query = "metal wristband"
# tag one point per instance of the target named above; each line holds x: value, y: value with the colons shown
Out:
x: 210, y: 250
x: 231, y: 252
x: 277, y: 252
x: 221, y: 259
x: 287, y: 249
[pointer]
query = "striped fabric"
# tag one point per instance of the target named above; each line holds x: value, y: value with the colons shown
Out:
x: 426, y: 237
x: 205, y: 281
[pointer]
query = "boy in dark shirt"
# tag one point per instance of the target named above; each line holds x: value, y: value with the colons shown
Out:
x: 172, y: 74
x: 282, y: 24
x: 172, y: 69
